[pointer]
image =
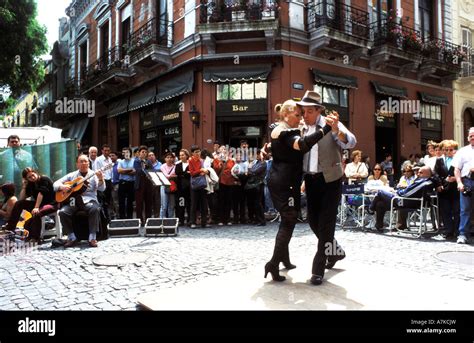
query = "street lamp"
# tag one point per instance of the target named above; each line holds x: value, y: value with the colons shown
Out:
x: 195, y: 116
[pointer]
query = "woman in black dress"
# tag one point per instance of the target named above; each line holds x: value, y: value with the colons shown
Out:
x: 288, y: 148
x: 40, y: 188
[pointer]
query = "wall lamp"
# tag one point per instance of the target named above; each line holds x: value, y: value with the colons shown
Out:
x: 195, y: 116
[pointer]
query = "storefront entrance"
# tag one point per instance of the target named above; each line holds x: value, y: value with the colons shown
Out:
x: 231, y: 133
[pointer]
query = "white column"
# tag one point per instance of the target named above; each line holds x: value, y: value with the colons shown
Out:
x: 400, y: 10
x: 98, y: 42
x: 117, y: 27
x: 440, y: 20
x: 189, y: 18
x: 79, y: 62
x: 150, y: 14
x: 417, y: 15
x: 132, y: 29
x: 110, y: 31
x: 87, y: 55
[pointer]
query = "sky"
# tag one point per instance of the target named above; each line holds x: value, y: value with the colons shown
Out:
x: 49, y: 12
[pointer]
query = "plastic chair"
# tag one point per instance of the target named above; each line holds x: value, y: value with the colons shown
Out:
x: 56, y: 231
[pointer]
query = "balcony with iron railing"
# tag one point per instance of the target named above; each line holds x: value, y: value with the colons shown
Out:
x: 150, y: 45
x: 255, y: 18
x: 396, y: 44
x: 237, y: 11
x: 104, y: 70
x: 337, y: 26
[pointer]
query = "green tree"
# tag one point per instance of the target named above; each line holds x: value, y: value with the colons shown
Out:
x: 22, y: 42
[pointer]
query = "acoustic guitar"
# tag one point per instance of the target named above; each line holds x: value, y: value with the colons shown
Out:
x: 77, y: 184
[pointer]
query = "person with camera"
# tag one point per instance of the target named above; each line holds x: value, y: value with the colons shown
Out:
x: 464, y: 172
x: 448, y: 193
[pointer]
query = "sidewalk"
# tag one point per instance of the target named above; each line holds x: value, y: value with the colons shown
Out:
x: 349, y: 286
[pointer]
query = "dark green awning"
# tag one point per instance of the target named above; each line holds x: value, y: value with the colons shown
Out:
x: 237, y: 73
x: 142, y: 98
x: 118, y: 107
x: 398, y: 92
x: 179, y: 85
x: 334, y: 79
x: 434, y: 99
x: 78, y: 128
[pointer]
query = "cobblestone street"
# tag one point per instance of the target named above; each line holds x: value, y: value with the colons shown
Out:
x: 59, y: 279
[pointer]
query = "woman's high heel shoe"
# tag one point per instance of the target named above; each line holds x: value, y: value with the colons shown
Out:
x: 288, y: 265
x: 273, y: 270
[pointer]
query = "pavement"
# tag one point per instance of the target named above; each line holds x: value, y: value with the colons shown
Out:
x: 222, y: 268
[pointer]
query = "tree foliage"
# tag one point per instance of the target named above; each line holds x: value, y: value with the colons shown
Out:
x: 22, y: 42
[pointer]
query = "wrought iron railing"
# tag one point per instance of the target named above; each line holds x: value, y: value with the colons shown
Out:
x: 72, y: 88
x: 339, y: 16
x: 159, y: 32
x: 111, y: 59
x: 210, y: 11
x: 392, y: 33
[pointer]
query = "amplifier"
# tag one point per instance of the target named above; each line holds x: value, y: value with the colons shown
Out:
x: 161, y: 227
x: 124, y: 228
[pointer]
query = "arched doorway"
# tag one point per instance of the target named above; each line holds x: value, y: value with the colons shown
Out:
x: 468, y: 120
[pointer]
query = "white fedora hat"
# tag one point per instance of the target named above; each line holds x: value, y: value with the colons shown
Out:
x: 311, y: 98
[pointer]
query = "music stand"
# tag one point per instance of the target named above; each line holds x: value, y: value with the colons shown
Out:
x: 158, y: 178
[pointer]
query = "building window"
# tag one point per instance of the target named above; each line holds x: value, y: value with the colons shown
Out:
x: 426, y: 18
x: 332, y: 95
x: 467, y: 47
x: 430, y: 111
x: 241, y: 91
x: 335, y: 99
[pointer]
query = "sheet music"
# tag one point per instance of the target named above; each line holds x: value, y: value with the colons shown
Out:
x: 158, y: 179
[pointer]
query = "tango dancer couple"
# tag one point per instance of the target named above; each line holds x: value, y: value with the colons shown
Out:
x: 313, y: 155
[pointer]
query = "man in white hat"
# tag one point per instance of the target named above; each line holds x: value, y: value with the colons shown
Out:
x: 322, y: 166
x: 463, y: 163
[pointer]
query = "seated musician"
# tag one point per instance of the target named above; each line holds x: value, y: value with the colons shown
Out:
x: 85, y: 200
x: 40, y: 189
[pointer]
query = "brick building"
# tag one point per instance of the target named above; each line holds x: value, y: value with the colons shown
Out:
x: 172, y: 73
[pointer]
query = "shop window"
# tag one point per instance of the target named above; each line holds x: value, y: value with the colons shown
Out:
x: 241, y: 91
x: 430, y: 111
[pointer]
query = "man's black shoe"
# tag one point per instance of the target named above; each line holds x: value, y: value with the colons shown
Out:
x: 316, y: 280
x: 333, y: 259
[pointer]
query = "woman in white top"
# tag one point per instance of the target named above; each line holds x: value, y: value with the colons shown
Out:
x: 356, y: 171
x: 407, y: 178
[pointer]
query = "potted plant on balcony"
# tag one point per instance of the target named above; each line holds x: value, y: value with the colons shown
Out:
x: 269, y: 9
x: 412, y: 41
x: 238, y: 10
x: 433, y: 48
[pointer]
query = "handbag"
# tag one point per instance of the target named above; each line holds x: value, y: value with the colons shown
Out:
x: 172, y: 188
x: 198, y: 182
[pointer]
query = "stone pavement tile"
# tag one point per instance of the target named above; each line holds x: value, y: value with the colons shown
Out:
x: 344, y: 287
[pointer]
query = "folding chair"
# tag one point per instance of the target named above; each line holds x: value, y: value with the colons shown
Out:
x: 420, y: 208
x: 351, y: 206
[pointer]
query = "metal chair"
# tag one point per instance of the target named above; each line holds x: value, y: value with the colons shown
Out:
x: 350, y: 210
x: 426, y: 205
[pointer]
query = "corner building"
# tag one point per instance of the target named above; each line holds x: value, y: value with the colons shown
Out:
x: 170, y: 74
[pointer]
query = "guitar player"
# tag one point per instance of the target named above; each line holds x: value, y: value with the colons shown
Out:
x: 88, y: 197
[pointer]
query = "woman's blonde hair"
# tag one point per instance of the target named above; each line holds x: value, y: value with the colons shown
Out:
x: 287, y: 107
